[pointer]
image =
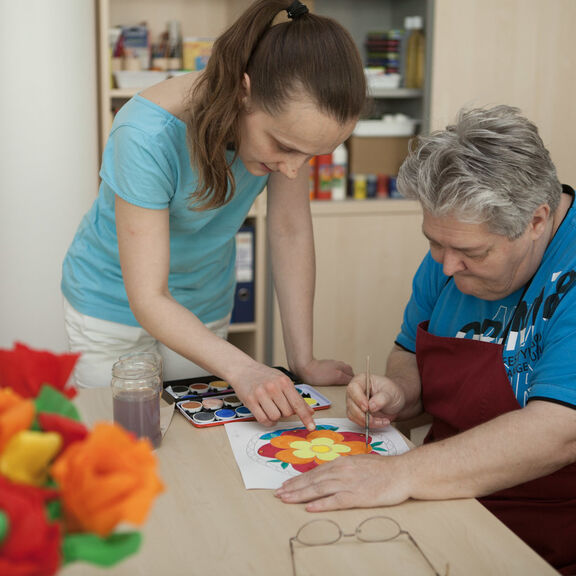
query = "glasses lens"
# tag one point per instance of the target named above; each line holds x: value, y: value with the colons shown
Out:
x: 319, y: 533
x: 377, y: 529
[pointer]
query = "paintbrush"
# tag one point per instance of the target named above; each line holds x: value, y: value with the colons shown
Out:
x: 367, y: 415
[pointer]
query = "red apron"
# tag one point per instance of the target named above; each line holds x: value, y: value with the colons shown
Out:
x: 464, y: 383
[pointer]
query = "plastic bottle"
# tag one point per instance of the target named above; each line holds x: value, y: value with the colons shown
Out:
x: 174, y: 45
x: 339, y: 172
x: 415, y: 53
x: 324, y: 189
x: 359, y: 190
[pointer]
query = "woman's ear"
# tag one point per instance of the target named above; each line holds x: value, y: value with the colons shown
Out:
x: 246, y: 92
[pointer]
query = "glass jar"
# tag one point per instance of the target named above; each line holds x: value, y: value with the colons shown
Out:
x: 136, y: 393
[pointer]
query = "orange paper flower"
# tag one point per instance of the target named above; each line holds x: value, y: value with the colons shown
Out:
x: 108, y: 478
x: 16, y: 414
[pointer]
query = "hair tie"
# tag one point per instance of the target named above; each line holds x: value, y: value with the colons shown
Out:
x: 296, y: 9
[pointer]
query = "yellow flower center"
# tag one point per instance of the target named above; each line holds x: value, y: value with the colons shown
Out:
x: 324, y: 449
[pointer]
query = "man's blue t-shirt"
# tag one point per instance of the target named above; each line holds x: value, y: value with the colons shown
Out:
x: 537, y: 323
x: 146, y: 162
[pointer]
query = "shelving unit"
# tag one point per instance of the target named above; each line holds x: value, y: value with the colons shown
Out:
x: 360, y: 17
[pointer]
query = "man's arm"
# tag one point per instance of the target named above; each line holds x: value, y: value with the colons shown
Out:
x: 511, y: 449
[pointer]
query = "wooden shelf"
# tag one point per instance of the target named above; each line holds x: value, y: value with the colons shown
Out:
x: 351, y: 207
x: 396, y: 93
x: 237, y: 327
x: 125, y: 93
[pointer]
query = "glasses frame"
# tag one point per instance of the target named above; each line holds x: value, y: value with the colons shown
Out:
x: 356, y: 534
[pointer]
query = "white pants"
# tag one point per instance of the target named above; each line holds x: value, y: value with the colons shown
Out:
x: 101, y: 343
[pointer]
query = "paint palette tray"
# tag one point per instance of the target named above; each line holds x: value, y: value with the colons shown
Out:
x: 202, y: 387
x: 215, y: 410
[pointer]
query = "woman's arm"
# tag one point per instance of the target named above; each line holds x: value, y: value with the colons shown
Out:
x: 144, y: 248
x: 291, y: 243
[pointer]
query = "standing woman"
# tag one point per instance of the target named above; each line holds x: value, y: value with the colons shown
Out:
x: 152, y: 264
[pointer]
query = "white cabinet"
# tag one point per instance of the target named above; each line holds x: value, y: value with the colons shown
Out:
x: 366, y: 255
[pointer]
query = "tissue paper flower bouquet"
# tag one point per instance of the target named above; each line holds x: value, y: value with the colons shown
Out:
x: 64, y: 489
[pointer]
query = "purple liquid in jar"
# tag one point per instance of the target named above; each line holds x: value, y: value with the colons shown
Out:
x: 138, y: 411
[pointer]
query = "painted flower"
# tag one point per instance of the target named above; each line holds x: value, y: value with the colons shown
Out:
x: 305, y: 450
x: 102, y: 487
x: 31, y: 544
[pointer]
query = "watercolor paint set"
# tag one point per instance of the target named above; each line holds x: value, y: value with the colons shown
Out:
x: 209, y: 401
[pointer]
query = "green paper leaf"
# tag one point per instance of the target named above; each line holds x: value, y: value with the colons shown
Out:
x: 54, y: 509
x: 4, y: 526
x: 100, y: 551
x: 53, y: 402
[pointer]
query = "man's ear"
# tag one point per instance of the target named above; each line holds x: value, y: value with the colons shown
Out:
x: 540, y: 219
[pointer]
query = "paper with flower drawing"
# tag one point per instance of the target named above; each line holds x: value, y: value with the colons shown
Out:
x: 269, y: 456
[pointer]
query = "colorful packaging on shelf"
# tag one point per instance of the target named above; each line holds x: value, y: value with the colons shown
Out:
x: 195, y: 52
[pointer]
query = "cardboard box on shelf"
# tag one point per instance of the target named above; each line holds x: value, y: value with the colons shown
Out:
x: 195, y: 52
x: 377, y: 155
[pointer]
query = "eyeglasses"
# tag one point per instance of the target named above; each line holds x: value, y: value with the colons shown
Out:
x: 324, y: 532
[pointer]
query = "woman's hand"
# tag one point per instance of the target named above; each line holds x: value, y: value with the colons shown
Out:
x: 387, y: 400
x: 326, y: 373
x: 270, y: 395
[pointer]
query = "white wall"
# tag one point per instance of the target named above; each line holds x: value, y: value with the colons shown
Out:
x: 48, y: 157
x: 490, y: 52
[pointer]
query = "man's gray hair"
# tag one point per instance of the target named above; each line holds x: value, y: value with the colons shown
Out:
x: 490, y: 167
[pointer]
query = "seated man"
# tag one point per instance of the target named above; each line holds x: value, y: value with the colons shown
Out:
x: 487, y: 344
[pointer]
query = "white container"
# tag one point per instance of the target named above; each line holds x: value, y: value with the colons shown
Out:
x: 339, y: 172
x: 389, y: 125
x: 136, y: 79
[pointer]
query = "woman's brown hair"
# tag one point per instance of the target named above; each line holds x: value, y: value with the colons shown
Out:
x: 309, y: 53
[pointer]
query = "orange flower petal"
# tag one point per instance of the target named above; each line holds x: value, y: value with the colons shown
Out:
x: 357, y: 448
x: 16, y: 414
x: 335, y: 436
x: 285, y: 441
x: 106, y: 479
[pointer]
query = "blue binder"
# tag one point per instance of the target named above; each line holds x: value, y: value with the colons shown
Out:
x: 243, y: 310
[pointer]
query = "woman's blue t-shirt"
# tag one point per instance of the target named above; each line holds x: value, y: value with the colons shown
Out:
x: 146, y: 162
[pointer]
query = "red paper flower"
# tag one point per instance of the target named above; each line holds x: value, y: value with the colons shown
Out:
x: 32, y: 546
x: 70, y: 430
x: 25, y: 370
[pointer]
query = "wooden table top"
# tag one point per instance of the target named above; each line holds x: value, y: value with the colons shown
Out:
x: 207, y: 523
